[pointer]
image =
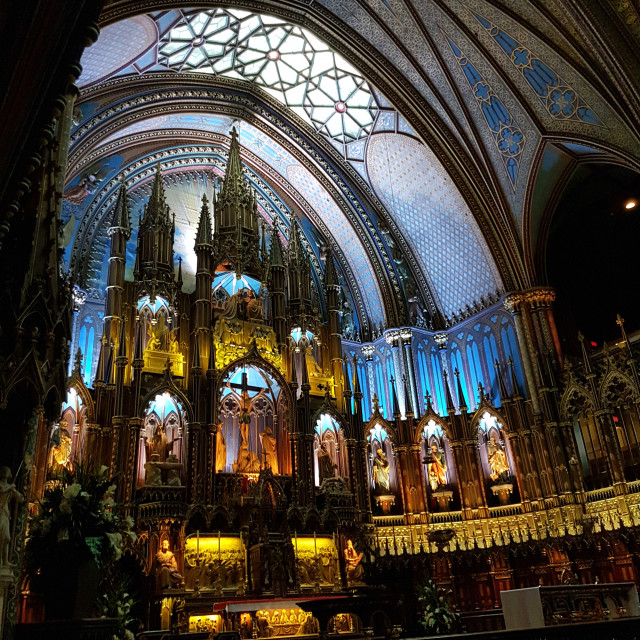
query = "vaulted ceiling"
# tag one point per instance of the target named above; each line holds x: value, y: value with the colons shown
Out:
x: 424, y: 143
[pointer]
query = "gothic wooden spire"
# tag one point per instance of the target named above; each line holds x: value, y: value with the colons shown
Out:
x: 501, y: 386
x: 408, y: 409
x: 236, y: 242
x: 121, y: 214
x: 451, y: 408
x: 394, y: 399
x: 156, y: 211
x: 514, y: 380
x: 276, y: 257
x: 204, y: 236
x: 330, y: 273
x: 462, y: 403
x: 234, y: 184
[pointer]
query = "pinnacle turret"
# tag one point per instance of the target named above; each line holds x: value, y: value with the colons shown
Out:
x: 295, y: 251
x: 235, y: 218
x: 156, y: 211
x: 462, y: 403
x: 234, y: 183
x: 276, y: 257
x: 204, y: 235
x: 330, y: 273
x: 394, y: 400
x: 451, y: 408
x: 121, y: 215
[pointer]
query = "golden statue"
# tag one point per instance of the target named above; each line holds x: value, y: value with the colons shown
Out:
x: 437, y: 468
x: 61, y: 454
x: 269, y: 449
x: 221, y: 450
x: 497, y: 461
x: 352, y: 564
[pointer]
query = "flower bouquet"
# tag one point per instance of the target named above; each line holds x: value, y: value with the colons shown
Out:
x: 75, y: 533
x: 438, y: 616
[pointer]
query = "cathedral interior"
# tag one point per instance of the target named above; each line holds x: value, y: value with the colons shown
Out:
x: 339, y: 293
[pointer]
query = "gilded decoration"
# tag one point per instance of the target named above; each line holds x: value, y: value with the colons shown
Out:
x: 233, y: 339
x: 214, y: 563
x: 316, y: 561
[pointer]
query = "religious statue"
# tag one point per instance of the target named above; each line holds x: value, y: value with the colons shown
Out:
x: 352, y: 564
x: 221, y: 450
x: 159, y: 444
x: 381, y: 472
x: 153, y: 472
x: 497, y: 461
x: 325, y: 463
x: 234, y: 308
x: 247, y: 461
x: 8, y: 493
x: 61, y: 454
x: 174, y: 343
x: 437, y: 468
x: 269, y: 450
x: 158, y: 335
x: 173, y: 468
x: 167, y: 567
x: 253, y: 307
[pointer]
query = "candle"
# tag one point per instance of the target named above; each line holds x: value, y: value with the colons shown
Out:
x: 198, y: 546
x: 296, y: 537
x: 219, y: 554
x: 315, y: 544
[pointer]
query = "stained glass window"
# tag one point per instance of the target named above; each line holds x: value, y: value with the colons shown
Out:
x: 288, y: 62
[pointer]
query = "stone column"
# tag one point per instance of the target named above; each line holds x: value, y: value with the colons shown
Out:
x: 367, y: 351
x: 393, y: 340
x: 515, y: 304
x: 406, y: 336
x: 539, y: 301
x: 441, y: 340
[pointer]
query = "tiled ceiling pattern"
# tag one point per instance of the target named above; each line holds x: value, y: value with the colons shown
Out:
x: 434, y: 220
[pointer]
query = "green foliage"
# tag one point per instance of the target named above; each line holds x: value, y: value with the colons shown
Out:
x: 77, y: 515
x: 116, y: 601
x: 437, y: 615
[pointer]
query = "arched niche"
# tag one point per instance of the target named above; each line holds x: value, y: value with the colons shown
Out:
x: 439, y: 464
x: 163, y: 433
x: 496, y: 456
x: 67, y: 436
x: 329, y: 437
x: 158, y: 324
x: 379, y: 438
x: 252, y: 429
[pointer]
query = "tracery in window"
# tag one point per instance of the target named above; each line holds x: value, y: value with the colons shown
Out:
x: 288, y: 62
